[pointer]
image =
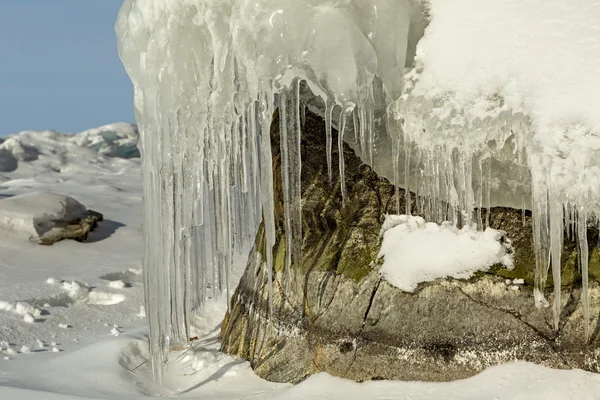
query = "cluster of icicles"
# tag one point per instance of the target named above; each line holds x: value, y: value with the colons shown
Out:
x: 208, y: 76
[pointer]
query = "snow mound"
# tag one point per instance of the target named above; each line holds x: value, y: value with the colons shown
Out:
x: 33, y: 214
x: 118, y: 140
x: 113, y: 140
x: 416, y: 251
x: 19, y: 150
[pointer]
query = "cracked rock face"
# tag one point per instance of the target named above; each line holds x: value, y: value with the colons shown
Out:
x: 341, y: 318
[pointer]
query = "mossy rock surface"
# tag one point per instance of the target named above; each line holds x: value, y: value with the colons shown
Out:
x: 342, y: 318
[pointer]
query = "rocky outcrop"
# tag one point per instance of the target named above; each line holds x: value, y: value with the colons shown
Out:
x: 342, y: 318
x: 78, y: 229
x: 8, y: 162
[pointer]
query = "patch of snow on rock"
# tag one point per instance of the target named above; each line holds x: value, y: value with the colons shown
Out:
x: 35, y: 213
x: 414, y: 251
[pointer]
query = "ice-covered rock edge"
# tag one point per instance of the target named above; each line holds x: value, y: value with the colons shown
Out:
x: 207, y: 77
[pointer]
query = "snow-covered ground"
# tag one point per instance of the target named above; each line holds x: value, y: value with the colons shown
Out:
x: 86, y: 339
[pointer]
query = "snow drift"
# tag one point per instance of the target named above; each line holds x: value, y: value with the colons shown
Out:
x: 113, y: 140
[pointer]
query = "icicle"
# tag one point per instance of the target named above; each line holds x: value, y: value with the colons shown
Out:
x: 420, y: 182
x: 488, y: 193
x: 407, y: 174
x: 290, y: 129
x: 370, y: 128
x: 267, y: 192
x: 294, y: 147
x: 342, y: 172
x: 328, y: 112
x: 541, y: 234
x: 355, y: 124
x: 285, y: 178
x: 362, y: 132
x: 583, y: 255
x: 244, y: 151
x: 556, y: 243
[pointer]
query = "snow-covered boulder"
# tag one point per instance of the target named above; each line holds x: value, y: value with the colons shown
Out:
x: 46, y: 218
x: 431, y: 308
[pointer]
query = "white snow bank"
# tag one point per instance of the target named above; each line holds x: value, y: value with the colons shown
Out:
x: 33, y: 214
x: 539, y: 54
x: 518, y: 381
x: 491, y: 69
x: 414, y: 251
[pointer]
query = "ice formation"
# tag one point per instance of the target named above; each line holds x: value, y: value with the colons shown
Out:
x: 497, y: 104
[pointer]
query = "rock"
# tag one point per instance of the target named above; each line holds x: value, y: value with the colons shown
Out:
x: 341, y: 318
x: 8, y: 162
x: 77, y: 229
x: 46, y: 218
x: 20, y: 151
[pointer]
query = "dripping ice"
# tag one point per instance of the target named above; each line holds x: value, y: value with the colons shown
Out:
x: 460, y: 119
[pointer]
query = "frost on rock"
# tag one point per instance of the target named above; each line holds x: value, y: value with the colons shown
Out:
x: 496, y: 105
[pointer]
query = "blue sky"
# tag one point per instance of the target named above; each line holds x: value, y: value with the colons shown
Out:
x: 59, y: 67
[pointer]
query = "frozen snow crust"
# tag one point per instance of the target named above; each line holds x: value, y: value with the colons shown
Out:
x: 507, y: 80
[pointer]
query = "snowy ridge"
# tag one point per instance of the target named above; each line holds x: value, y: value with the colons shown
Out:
x: 113, y: 140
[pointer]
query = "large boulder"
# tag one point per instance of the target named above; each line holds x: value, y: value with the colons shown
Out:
x: 46, y: 218
x: 343, y: 318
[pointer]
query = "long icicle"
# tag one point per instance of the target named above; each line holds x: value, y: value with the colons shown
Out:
x: 556, y: 242
x: 342, y: 128
x: 328, y: 112
x: 267, y: 192
x: 284, y: 105
x: 583, y: 255
x: 295, y: 148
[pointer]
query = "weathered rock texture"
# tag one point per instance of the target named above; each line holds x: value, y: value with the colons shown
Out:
x: 343, y: 319
x: 78, y: 229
